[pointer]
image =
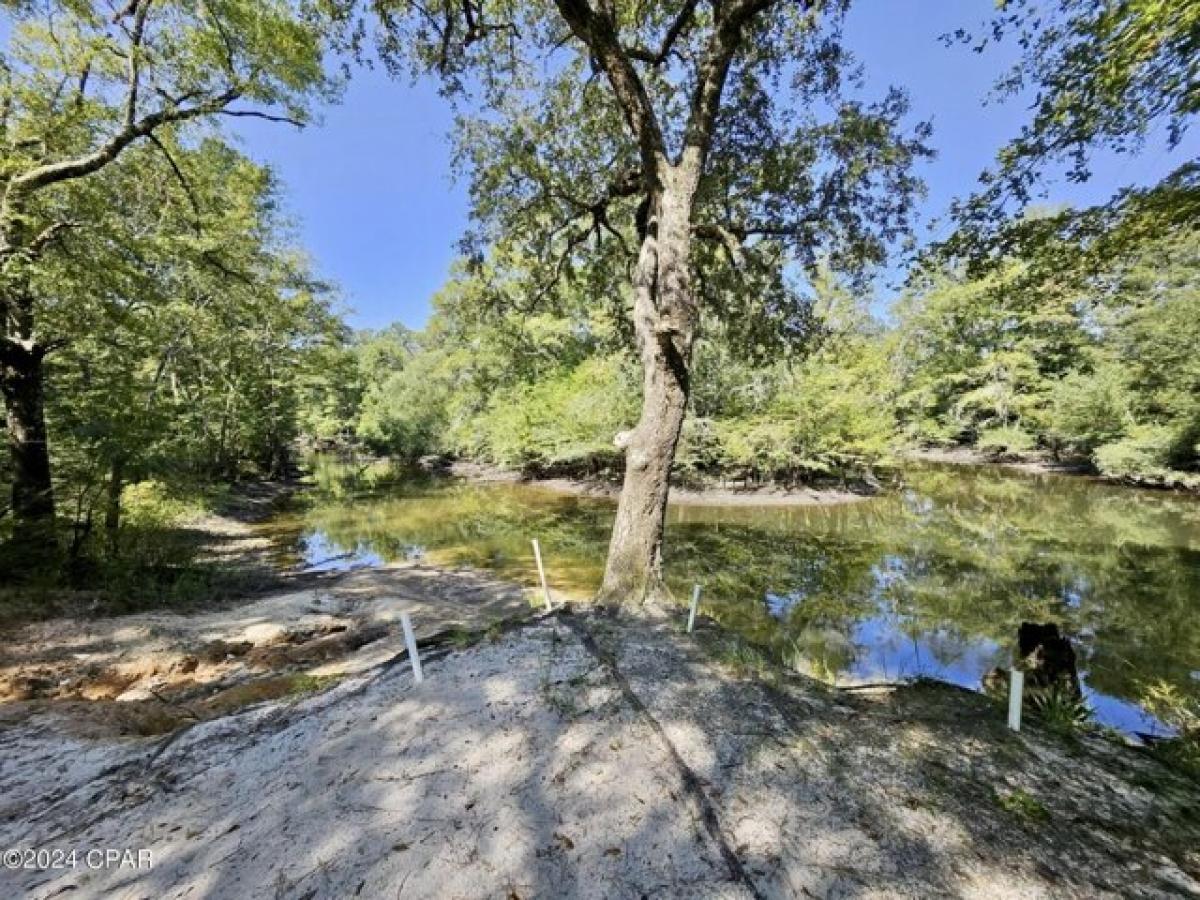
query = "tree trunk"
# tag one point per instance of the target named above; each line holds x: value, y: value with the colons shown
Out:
x: 112, y: 507
x: 22, y: 380
x: 665, y: 318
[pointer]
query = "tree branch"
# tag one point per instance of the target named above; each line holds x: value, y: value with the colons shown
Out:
x: 47, y: 236
x: 141, y: 10
x: 69, y: 169
x: 179, y: 176
x: 230, y: 56
x: 598, y: 33
x: 731, y: 242
x: 34, y: 248
x: 659, y: 56
x: 259, y: 114
x: 732, y: 19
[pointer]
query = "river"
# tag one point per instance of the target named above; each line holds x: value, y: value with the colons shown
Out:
x: 929, y: 579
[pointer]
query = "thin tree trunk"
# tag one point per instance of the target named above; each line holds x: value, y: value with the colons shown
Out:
x: 22, y: 379
x: 112, y: 509
x: 665, y: 318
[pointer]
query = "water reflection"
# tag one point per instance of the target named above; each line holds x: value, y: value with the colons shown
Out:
x: 931, y: 579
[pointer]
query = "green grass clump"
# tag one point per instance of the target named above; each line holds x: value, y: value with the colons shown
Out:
x: 1024, y: 806
x: 743, y: 659
x: 304, y: 683
x: 1060, y: 710
x: 1181, y: 712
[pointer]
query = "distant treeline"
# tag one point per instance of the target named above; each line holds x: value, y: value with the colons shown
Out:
x: 1105, y: 374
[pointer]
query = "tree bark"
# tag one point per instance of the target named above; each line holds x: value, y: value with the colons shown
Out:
x: 665, y: 320
x: 112, y: 508
x: 23, y: 383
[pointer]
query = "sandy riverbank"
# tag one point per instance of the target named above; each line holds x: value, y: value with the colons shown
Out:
x: 710, y: 495
x: 279, y: 747
x: 586, y: 756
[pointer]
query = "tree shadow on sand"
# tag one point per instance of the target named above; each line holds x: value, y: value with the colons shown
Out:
x: 596, y: 757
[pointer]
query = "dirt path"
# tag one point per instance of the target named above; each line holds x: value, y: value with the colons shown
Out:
x: 589, y: 757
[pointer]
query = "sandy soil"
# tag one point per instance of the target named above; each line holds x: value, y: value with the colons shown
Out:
x: 151, y: 672
x: 1035, y: 463
x: 715, y: 495
x: 580, y: 756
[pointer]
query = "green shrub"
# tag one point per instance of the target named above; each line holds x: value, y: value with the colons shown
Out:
x: 1145, y: 451
x: 699, y: 447
x: 568, y: 418
x: 931, y: 432
x: 1088, y: 409
x: 1060, y: 709
x: 1181, y: 712
x: 152, y: 504
x: 1023, y: 805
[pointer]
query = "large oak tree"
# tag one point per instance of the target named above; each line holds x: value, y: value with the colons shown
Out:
x: 673, y: 158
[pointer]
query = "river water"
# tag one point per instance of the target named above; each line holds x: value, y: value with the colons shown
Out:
x: 931, y: 578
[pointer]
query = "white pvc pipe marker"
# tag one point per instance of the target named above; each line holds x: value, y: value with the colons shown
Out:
x: 1016, y: 696
x: 694, y: 607
x: 410, y: 641
x: 537, y: 554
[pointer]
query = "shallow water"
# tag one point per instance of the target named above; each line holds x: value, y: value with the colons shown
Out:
x: 929, y: 579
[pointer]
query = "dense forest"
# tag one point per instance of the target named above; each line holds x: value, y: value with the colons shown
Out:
x: 1103, y: 374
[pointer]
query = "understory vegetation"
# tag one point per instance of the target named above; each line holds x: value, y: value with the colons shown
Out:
x: 1102, y: 373
x: 548, y: 393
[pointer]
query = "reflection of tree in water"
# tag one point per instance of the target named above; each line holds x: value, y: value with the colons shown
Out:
x: 951, y: 564
x: 1141, y: 623
x: 960, y: 559
x: 1118, y: 568
x: 775, y: 586
x: 489, y: 526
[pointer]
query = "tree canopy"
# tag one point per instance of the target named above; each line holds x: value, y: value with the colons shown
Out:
x: 82, y: 86
x: 569, y: 112
x: 1101, y: 77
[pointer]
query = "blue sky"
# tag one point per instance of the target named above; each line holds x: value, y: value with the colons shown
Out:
x: 371, y: 190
